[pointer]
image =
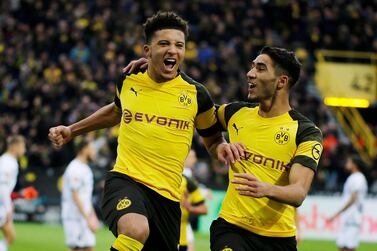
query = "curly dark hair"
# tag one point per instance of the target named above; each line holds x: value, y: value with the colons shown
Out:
x: 164, y: 20
x: 285, y: 62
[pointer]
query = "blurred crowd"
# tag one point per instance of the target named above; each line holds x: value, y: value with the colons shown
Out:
x: 60, y: 60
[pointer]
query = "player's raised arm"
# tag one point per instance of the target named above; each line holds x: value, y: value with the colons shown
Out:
x: 107, y: 116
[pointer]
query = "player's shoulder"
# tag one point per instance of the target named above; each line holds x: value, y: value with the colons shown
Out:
x: 7, y: 159
x: 75, y: 167
x: 232, y: 108
x: 191, y: 81
x: 301, y: 119
x: 203, y: 97
x: 306, y: 128
x: 122, y: 78
x: 358, y: 177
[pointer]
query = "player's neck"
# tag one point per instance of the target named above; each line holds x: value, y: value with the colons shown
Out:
x: 82, y: 158
x: 355, y: 170
x: 12, y: 153
x: 273, y: 107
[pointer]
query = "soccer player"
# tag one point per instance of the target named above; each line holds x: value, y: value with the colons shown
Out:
x: 351, y: 211
x: 78, y: 215
x: 8, y: 180
x: 158, y: 110
x: 274, y: 176
x: 193, y: 202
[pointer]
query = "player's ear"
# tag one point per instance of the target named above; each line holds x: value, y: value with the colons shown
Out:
x: 147, y: 50
x: 283, y: 82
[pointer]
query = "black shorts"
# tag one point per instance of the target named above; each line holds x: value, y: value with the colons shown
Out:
x: 183, y: 248
x: 123, y: 195
x: 225, y: 235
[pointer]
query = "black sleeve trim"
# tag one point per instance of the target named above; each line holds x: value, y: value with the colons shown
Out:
x: 203, y: 97
x: 191, y: 184
x: 305, y: 161
x: 117, y: 102
x: 210, y: 131
x: 119, y: 86
x: 217, y: 107
x: 234, y: 107
x: 307, y: 131
x: 120, y: 82
x: 198, y: 203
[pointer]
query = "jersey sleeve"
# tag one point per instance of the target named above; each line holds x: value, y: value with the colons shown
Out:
x: 357, y: 184
x: 309, y: 146
x: 225, y: 112
x: 220, y: 112
x: 74, y: 180
x: 205, y: 121
x: 118, y: 90
x: 196, y: 197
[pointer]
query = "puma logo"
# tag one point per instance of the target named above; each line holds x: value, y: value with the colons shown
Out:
x: 134, y: 91
x: 236, y: 128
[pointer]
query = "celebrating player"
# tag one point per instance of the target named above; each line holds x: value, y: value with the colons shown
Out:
x: 274, y: 177
x: 158, y: 110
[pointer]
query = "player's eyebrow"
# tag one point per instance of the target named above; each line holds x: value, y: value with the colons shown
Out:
x: 259, y: 64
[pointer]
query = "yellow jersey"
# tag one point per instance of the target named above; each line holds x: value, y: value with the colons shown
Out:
x: 273, y: 145
x: 157, y: 126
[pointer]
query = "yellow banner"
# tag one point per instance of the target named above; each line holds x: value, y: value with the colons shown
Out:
x: 345, y: 80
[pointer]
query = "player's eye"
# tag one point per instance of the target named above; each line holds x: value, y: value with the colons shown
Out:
x: 163, y: 43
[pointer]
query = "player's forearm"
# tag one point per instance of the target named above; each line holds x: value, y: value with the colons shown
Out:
x: 198, y: 209
x: 78, y: 203
x: 349, y: 203
x: 292, y: 195
x: 212, y: 142
x: 106, y: 116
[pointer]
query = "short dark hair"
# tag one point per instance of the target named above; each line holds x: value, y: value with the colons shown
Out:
x: 286, y: 61
x: 81, y: 143
x: 361, y: 166
x: 164, y: 20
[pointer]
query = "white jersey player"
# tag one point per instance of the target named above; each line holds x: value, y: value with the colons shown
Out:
x: 351, y: 211
x: 78, y: 216
x: 8, y: 180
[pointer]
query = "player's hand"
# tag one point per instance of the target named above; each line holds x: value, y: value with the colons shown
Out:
x: 332, y: 218
x: 59, y: 136
x: 185, y: 201
x: 230, y: 152
x: 93, y: 222
x: 135, y: 65
x: 248, y: 185
x: 298, y: 236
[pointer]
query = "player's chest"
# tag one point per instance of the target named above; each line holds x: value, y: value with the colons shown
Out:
x: 263, y: 136
x: 146, y: 103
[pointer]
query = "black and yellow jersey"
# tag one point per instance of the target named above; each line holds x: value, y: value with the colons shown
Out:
x: 196, y: 198
x: 273, y: 145
x: 157, y: 126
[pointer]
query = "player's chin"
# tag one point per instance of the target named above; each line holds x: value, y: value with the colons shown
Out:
x: 169, y: 75
x: 252, y: 98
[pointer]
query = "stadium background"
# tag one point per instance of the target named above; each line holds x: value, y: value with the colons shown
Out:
x: 59, y: 61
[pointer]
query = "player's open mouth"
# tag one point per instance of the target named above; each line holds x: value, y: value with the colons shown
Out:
x: 251, y: 86
x: 170, y: 63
